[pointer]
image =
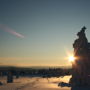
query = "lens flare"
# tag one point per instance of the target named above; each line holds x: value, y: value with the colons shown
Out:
x: 71, y: 58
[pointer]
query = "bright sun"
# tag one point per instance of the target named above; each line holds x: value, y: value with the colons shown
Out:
x: 71, y: 58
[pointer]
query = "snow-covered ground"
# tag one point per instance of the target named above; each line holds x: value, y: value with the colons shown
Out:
x: 36, y: 83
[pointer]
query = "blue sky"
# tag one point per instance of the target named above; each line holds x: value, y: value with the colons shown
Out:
x: 48, y: 28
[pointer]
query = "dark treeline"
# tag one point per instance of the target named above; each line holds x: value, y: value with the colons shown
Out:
x: 32, y: 72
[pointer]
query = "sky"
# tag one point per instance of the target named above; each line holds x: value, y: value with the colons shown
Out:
x: 40, y: 32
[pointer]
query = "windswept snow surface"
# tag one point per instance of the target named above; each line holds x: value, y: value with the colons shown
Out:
x: 35, y: 83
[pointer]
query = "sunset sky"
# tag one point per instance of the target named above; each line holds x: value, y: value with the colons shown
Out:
x: 40, y: 32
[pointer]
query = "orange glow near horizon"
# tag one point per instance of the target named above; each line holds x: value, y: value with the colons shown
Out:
x: 71, y: 58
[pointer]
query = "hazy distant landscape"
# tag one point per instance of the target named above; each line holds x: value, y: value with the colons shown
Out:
x: 34, y: 78
x: 38, y: 71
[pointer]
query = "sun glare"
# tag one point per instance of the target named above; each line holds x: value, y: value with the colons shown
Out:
x: 71, y: 58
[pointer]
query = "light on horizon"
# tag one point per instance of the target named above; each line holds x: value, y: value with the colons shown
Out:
x: 71, y: 58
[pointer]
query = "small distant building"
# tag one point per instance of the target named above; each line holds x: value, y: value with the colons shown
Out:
x: 9, y: 77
